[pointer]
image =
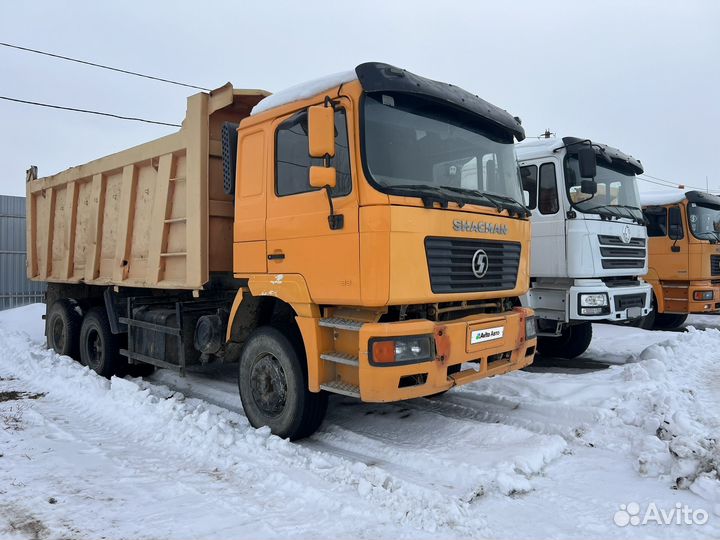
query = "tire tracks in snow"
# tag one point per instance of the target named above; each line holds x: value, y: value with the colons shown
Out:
x: 191, y: 430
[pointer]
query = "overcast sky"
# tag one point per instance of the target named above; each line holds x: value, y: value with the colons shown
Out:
x: 643, y: 76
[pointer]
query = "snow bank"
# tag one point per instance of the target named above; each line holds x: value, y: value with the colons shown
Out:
x: 303, y: 91
x: 661, y: 408
x: 27, y: 319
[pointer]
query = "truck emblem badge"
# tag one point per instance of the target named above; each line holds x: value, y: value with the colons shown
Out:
x: 480, y: 263
x: 625, y: 237
x: 479, y: 227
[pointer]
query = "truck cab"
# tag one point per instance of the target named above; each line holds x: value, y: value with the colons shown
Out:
x: 684, y: 249
x: 589, y: 243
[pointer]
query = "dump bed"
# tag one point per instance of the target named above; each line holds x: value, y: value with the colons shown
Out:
x: 143, y: 217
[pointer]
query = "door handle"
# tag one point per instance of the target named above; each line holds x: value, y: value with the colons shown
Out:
x: 276, y: 257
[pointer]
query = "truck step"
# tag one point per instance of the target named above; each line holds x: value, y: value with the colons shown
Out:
x: 341, y: 358
x: 341, y: 324
x: 341, y: 388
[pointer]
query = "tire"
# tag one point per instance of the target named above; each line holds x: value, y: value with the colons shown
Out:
x: 573, y: 342
x: 669, y: 321
x: 99, y: 347
x: 63, y: 328
x: 273, y: 384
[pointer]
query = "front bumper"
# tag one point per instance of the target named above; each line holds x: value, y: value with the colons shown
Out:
x: 624, y: 303
x: 677, y: 297
x: 453, y: 345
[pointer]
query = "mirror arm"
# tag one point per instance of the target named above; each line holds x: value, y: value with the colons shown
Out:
x: 335, y: 221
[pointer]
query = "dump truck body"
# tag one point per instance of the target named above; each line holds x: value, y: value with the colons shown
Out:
x: 379, y: 265
x: 143, y: 217
x: 684, y: 269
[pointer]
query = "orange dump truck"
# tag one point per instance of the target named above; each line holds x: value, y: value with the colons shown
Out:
x: 684, y: 255
x: 361, y: 234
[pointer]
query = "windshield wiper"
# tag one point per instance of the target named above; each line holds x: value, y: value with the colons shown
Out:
x: 715, y: 236
x: 620, y: 214
x: 436, y: 194
x: 493, y: 198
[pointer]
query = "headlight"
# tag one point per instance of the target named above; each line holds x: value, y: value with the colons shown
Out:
x: 593, y: 300
x: 401, y: 350
x: 593, y: 304
x: 530, y: 328
x: 703, y: 295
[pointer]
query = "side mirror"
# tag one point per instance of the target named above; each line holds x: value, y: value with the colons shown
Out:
x: 587, y: 162
x: 321, y: 131
x: 321, y: 177
x: 526, y: 198
x: 588, y: 187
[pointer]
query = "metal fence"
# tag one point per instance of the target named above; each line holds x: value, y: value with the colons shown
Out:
x: 15, y: 288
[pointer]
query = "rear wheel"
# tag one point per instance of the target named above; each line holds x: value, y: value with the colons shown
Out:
x: 273, y: 386
x: 99, y: 347
x: 573, y: 341
x: 63, y: 328
x: 669, y: 321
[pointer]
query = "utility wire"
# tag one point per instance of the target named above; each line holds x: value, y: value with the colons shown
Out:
x: 127, y: 72
x: 676, y: 186
x: 89, y: 112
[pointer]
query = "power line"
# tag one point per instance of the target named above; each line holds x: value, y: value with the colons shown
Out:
x: 135, y: 119
x: 127, y: 72
x: 673, y: 185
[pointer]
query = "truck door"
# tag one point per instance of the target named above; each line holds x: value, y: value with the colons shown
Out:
x: 668, y: 245
x: 540, y: 181
x: 299, y: 237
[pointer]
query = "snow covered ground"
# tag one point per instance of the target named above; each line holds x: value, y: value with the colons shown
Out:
x: 550, y: 452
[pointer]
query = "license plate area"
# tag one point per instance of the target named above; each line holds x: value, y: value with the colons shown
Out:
x: 634, y: 312
x: 486, y: 335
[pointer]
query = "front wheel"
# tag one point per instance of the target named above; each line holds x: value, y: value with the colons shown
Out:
x: 573, y: 341
x: 273, y: 386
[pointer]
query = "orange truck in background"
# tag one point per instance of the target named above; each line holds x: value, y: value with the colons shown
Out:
x: 684, y: 255
x: 362, y: 234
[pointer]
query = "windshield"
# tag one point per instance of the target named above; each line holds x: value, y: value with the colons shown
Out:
x: 617, y: 192
x: 413, y: 145
x: 704, y: 221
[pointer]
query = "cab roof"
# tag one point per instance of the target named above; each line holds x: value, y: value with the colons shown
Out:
x: 379, y: 77
x: 661, y: 198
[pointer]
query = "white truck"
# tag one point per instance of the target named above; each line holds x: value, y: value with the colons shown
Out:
x: 589, y: 241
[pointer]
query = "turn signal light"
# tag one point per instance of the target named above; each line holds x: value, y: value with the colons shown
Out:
x: 702, y: 295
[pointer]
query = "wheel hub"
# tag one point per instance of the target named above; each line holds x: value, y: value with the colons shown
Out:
x: 58, y: 333
x: 269, y: 385
x: 95, y: 348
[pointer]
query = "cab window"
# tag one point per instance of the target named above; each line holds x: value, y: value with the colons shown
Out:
x: 656, y: 221
x: 292, y: 161
x: 547, y: 192
x: 529, y: 183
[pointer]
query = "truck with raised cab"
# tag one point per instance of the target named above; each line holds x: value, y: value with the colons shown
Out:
x: 362, y: 234
x: 684, y: 249
x: 589, y: 249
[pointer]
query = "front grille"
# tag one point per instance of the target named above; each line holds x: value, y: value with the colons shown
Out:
x: 617, y: 255
x: 606, y: 240
x: 629, y: 300
x: 622, y: 252
x: 715, y: 265
x: 613, y: 264
x: 450, y: 264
